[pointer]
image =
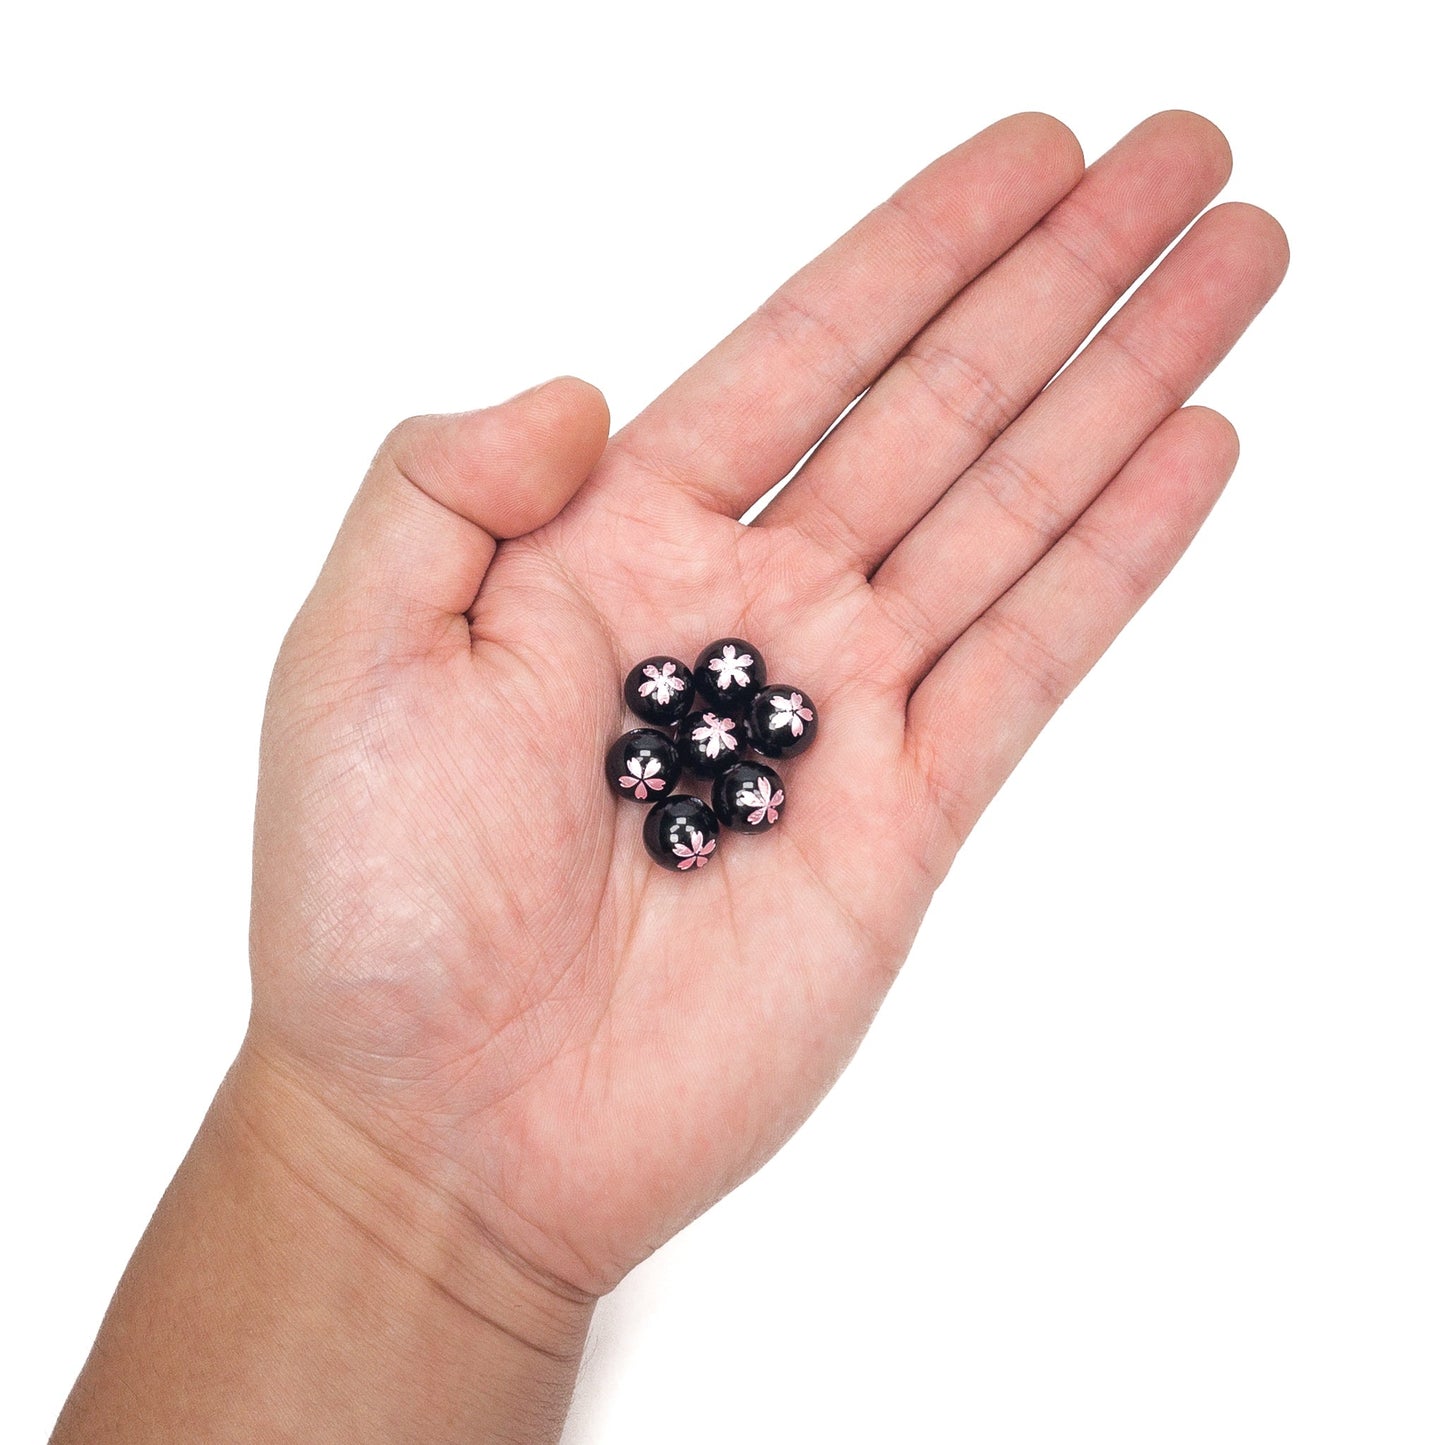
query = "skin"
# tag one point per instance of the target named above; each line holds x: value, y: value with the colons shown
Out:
x: 496, y: 1056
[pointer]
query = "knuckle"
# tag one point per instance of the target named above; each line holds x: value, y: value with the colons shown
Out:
x: 1022, y: 495
x: 1085, y: 242
x: 963, y: 389
x: 1047, y: 673
x: 404, y: 436
x: 404, y: 445
x: 415, y: 450
x: 931, y: 241
x: 818, y: 342
x: 1156, y: 375
x: 1131, y: 575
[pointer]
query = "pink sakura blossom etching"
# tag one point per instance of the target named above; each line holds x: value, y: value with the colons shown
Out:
x: 641, y: 777
x: 661, y: 683
x: 731, y: 668
x: 789, y: 712
x: 763, y: 800
x: 715, y: 734
x: 693, y: 851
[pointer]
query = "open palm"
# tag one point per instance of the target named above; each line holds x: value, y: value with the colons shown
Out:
x: 459, y: 940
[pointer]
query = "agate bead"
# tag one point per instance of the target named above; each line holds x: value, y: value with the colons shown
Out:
x: 644, y: 765
x: 680, y: 833
x: 659, y: 690
x: 782, y: 722
x: 748, y: 797
x: 728, y: 674
x: 709, y: 742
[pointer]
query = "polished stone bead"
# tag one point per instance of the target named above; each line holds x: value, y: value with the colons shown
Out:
x: 728, y: 674
x: 782, y: 722
x: 643, y: 765
x: 748, y: 797
x: 659, y: 690
x: 681, y: 833
x: 710, y: 742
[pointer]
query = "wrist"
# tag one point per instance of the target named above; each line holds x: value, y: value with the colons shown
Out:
x: 296, y: 1282
x: 423, y: 1237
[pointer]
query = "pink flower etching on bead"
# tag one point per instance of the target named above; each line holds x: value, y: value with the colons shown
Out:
x: 642, y: 776
x: 661, y: 683
x: 763, y: 799
x: 694, y: 851
x: 715, y: 734
x: 789, y: 712
x: 731, y: 668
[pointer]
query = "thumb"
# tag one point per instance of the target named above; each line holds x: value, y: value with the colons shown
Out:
x: 440, y: 494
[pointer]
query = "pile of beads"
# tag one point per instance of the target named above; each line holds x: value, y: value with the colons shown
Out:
x: 705, y: 720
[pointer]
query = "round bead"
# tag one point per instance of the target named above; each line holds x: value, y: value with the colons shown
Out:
x: 681, y: 833
x: 748, y: 797
x: 643, y: 765
x: 782, y: 722
x: 728, y: 673
x: 659, y: 690
x: 709, y: 742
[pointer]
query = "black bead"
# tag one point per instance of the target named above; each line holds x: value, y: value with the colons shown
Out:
x: 643, y: 765
x: 748, y: 797
x: 681, y: 833
x: 710, y: 742
x: 659, y: 690
x: 782, y: 722
x: 728, y: 673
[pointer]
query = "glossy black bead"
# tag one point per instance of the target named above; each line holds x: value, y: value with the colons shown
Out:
x: 748, y: 797
x: 681, y: 833
x: 782, y: 721
x: 643, y: 765
x: 710, y: 742
x: 659, y: 690
x: 728, y: 674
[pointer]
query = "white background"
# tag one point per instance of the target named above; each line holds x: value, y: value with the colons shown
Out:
x: 1146, y: 1145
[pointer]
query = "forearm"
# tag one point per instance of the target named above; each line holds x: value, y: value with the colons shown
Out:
x: 293, y: 1285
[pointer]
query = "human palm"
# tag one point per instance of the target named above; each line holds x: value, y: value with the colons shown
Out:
x: 458, y: 938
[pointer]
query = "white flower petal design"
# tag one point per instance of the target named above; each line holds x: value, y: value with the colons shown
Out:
x: 715, y: 734
x: 643, y: 777
x: 694, y: 851
x: 661, y: 682
x: 763, y: 801
x: 731, y: 668
x: 790, y: 713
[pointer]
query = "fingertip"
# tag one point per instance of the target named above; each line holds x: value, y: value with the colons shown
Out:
x: 547, y: 440
x: 508, y: 468
x: 1243, y: 251
x: 1214, y: 433
x: 1045, y: 139
x: 1264, y: 231
x: 1197, y: 137
x: 1184, y: 465
x: 578, y: 405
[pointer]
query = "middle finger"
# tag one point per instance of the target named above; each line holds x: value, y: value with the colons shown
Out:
x: 977, y: 365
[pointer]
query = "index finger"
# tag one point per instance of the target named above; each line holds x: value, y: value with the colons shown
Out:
x: 738, y: 421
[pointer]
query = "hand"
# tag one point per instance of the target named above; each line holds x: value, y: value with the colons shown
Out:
x: 461, y: 952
